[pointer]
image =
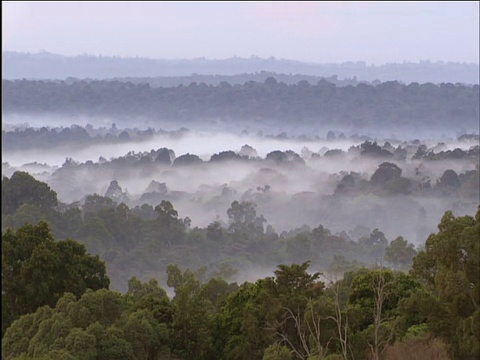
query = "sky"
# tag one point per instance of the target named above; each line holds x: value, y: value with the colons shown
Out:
x: 318, y: 32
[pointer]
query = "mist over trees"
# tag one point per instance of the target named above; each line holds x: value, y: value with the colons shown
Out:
x: 400, y: 187
x: 255, y: 222
x: 274, y: 210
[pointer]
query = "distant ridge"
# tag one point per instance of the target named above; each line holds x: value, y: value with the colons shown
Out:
x: 45, y: 65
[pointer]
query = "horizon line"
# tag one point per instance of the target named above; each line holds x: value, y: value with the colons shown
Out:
x: 252, y: 57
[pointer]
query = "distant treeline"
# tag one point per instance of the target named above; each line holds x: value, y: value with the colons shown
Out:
x: 50, y: 137
x: 386, y: 105
x: 45, y: 65
x: 215, y: 80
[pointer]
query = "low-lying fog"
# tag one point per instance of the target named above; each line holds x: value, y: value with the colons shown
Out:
x: 289, y: 193
x: 203, y: 144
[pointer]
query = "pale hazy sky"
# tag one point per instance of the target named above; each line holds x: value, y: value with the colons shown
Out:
x: 321, y: 32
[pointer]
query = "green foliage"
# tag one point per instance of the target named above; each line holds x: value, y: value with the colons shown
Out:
x: 255, y: 315
x: 152, y: 297
x: 244, y: 222
x: 416, y: 331
x: 18, y: 336
x: 450, y: 268
x: 37, y: 270
x: 277, y: 352
x: 96, y: 203
x: 25, y: 214
x: 112, y: 345
x: 22, y: 188
x: 400, y: 253
x: 101, y: 324
x: 373, y: 304
x: 50, y: 335
x: 209, y: 318
x: 145, y: 334
x: 295, y: 284
x: 217, y: 291
x: 169, y: 228
x: 192, y: 316
x: 102, y: 306
x: 332, y: 357
x: 227, y: 324
x: 82, y: 344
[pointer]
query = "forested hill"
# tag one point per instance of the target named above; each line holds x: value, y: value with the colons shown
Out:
x: 387, y: 105
x: 45, y: 65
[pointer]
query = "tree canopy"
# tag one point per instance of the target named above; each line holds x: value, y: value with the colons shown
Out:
x: 37, y: 270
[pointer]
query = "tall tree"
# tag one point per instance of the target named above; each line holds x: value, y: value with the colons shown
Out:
x: 244, y: 222
x: 23, y: 188
x: 192, y: 316
x: 450, y: 267
x: 37, y: 270
x: 400, y: 253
